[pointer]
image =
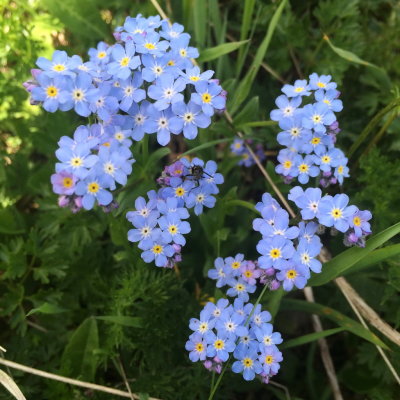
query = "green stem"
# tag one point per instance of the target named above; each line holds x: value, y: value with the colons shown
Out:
x: 145, y: 147
x: 214, y: 389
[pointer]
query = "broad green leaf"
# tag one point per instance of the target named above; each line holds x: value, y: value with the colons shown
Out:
x: 335, y: 316
x: 342, y: 262
x: 348, y: 55
x: 220, y: 50
x: 241, y: 203
x: 47, y: 308
x: 247, y: 18
x: 248, y: 113
x: 79, y: 358
x: 245, y: 85
x: 206, y: 146
x: 274, y: 301
x: 375, y: 257
x: 215, y: 17
x: 11, y: 386
x: 311, y: 337
x: 156, y: 156
x: 199, y: 8
x: 133, y: 322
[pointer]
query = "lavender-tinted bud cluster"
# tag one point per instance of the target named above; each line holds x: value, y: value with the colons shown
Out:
x: 159, y: 222
x: 240, y: 330
x: 309, y: 131
x: 238, y: 148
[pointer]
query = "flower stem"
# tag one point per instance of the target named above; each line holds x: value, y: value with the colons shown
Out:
x: 214, y: 389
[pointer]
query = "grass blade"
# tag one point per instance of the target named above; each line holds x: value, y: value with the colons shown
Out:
x: 218, y: 51
x: 11, y: 386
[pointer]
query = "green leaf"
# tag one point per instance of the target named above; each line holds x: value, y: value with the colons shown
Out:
x: 335, y: 316
x: 247, y: 18
x: 245, y: 85
x: 206, y: 146
x: 220, y: 50
x: 374, y: 258
x: 132, y: 322
x: 156, y: 156
x: 144, y: 396
x: 339, y: 264
x: 241, y: 203
x: 200, y: 21
x: 274, y: 301
x: 248, y: 113
x: 259, y: 124
x: 79, y: 358
x: 11, y: 222
x: 47, y: 308
x: 348, y: 55
x: 311, y: 337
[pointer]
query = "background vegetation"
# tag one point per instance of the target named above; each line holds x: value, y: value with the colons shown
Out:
x: 75, y: 297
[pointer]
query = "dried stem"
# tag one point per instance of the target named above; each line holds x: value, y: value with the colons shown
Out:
x: 70, y: 381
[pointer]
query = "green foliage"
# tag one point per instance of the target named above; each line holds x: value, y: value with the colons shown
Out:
x: 76, y: 298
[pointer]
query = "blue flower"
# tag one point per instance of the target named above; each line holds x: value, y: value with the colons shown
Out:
x: 260, y: 317
x: 103, y: 104
x: 200, y: 197
x: 160, y: 123
x: 193, y: 75
x: 233, y: 264
x: 359, y: 222
x: 129, y: 91
x: 141, y: 120
x: 317, y: 116
x: 274, y: 251
x: 197, y: 347
x: 51, y: 92
x: 180, y: 46
x: 240, y: 288
x: 219, y: 346
x: 101, y: 54
x: 291, y: 274
x: 205, y: 324
x: 166, y: 91
x: 294, y: 134
x: 321, y: 82
x: 146, y: 232
x: 306, y: 254
x: 280, y: 226
x: 158, y: 252
x: 171, y: 32
x: 180, y: 192
x: 300, y: 88
x: 266, y: 336
x: 326, y: 158
x: 219, y: 274
x: 287, y: 108
x: 125, y: 61
x: 333, y: 211
x: 59, y: 65
x: 305, y: 168
x: 144, y: 209
x: 309, y: 202
x: 173, y: 229
x: 249, y: 364
x: 150, y: 44
x: 216, y: 310
x: 169, y: 206
x: 230, y: 324
x: 79, y: 91
x: 270, y: 359
x: 208, y: 97
x: 286, y: 166
x: 92, y: 188
x: 329, y: 98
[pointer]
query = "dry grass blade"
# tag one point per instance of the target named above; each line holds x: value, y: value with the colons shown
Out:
x: 70, y: 381
x: 11, y: 386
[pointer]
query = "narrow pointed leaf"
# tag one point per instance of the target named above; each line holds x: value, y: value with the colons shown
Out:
x: 220, y: 50
x: 47, y: 308
x: 341, y: 263
x: 11, y: 386
x: 206, y: 146
x: 133, y: 322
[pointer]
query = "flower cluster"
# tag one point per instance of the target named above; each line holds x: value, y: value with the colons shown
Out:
x: 241, y: 276
x: 241, y: 330
x: 91, y: 163
x: 147, y: 76
x: 238, y: 148
x: 309, y: 131
x: 333, y: 212
x: 159, y: 222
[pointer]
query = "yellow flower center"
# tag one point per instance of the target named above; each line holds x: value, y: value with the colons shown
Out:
x: 171, y: 63
x: 106, y: 144
x: 183, y: 52
x: 357, y: 221
x: 93, y: 187
x: 67, y: 182
x: 326, y: 159
x: 188, y: 117
x: 317, y: 118
x: 150, y: 46
x: 295, y: 132
x: 206, y: 97
x: 101, y: 54
x: 340, y: 169
x: 299, y: 89
x: 315, y: 140
x: 303, y: 167
x: 287, y: 164
x: 275, y: 253
x: 194, y: 78
x: 78, y: 95
x: 109, y: 168
x: 119, y: 136
x: 267, y: 340
x: 199, y: 347
x: 336, y: 213
x: 203, y: 327
x: 173, y: 229
x: 321, y: 84
x: 219, y: 344
x: 247, y: 362
x: 157, y: 249
x: 124, y: 61
x: 76, y: 162
x: 235, y: 265
x: 248, y: 274
x: 179, y: 191
x: 239, y: 287
x: 51, y: 91
x: 326, y: 101
x: 59, y: 67
x: 269, y: 360
x: 291, y: 274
